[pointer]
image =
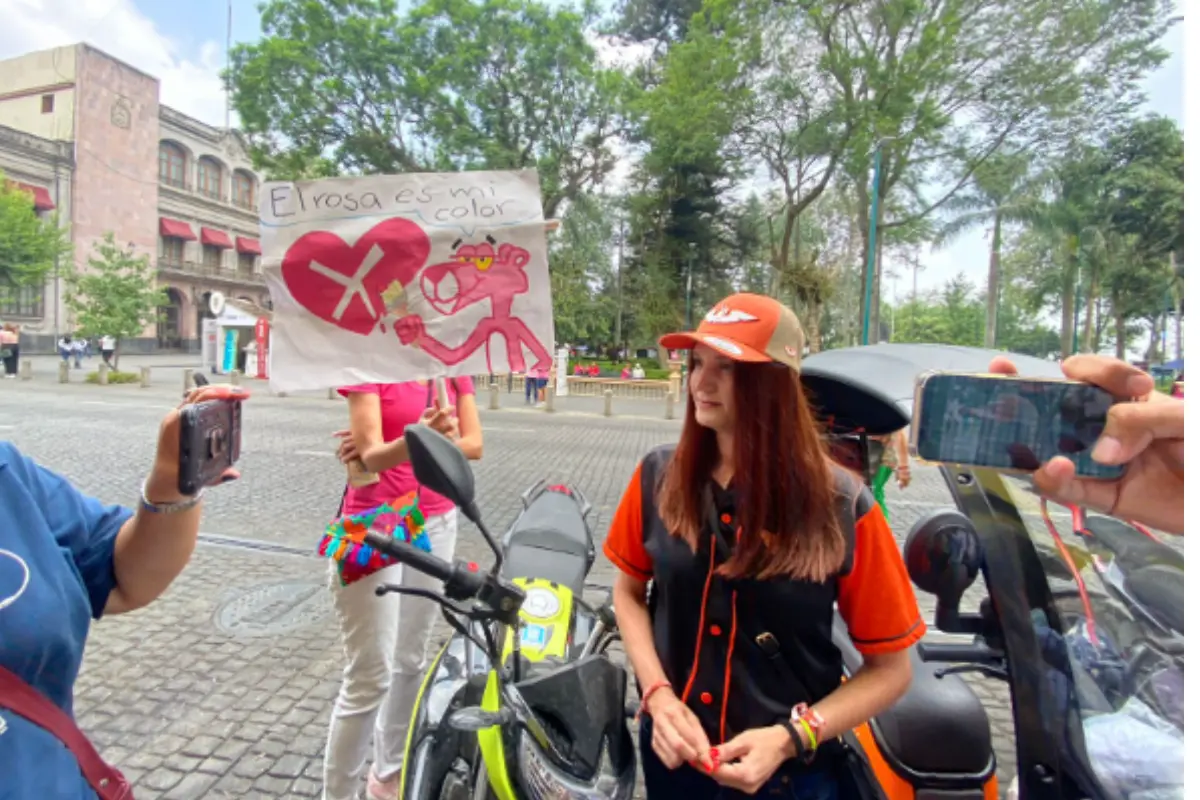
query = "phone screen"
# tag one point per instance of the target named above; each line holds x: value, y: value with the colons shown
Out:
x: 1012, y: 424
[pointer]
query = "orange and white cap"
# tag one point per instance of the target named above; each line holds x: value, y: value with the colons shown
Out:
x: 746, y: 327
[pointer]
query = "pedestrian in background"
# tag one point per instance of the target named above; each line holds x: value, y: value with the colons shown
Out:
x: 108, y: 346
x: 385, y: 639
x: 891, y: 454
x: 10, y: 348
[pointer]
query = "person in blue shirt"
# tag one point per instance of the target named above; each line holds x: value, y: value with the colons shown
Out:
x: 66, y: 559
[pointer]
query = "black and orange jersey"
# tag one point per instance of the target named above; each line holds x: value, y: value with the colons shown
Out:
x: 742, y: 652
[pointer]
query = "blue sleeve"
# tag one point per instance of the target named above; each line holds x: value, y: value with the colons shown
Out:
x: 83, y: 526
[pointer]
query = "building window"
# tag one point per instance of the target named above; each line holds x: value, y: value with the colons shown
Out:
x: 171, y: 165
x: 212, y: 257
x: 243, y: 190
x: 172, y: 250
x: 246, y: 263
x: 22, y: 301
x: 209, y: 182
x: 47, y: 104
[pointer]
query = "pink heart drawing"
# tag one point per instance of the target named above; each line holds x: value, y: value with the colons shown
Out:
x: 343, y: 284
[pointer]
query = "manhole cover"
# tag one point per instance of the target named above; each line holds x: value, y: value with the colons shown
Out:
x: 273, y: 609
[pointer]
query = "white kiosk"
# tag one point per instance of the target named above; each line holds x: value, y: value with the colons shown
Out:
x: 223, y: 336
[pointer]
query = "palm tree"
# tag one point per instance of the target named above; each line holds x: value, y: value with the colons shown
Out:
x: 1004, y: 190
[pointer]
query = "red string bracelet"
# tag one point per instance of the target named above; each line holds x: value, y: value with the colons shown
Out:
x: 654, y: 687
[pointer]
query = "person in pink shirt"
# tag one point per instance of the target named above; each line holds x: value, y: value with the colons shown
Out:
x: 385, y: 638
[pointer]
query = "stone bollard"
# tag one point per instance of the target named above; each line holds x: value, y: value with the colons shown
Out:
x: 27, y: 370
x: 145, y: 383
x: 670, y: 405
x: 608, y: 396
x: 549, y: 401
x: 64, y: 372
x: 235, y: 377
x: 102, y: 375
x: 494, y: 397
x: 333, y: 395
x: 187, y: 381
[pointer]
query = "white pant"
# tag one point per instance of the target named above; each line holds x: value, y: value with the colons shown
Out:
x: 384, y: 639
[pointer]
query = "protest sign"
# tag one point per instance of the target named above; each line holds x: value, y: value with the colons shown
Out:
x: 393, y: 278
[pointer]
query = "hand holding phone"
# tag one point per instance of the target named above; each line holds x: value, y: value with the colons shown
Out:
x: 1146, y: 437
x: 210, y: 441
x: 1011, y: 424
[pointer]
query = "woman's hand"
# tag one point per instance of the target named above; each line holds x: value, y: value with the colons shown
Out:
x: 759, y: 752
x: 441, y: 420
x: 903, y: 476
x: 162, y: 485
x: 679, y: 737
x: 347, y: 450
x: 1146, y: 436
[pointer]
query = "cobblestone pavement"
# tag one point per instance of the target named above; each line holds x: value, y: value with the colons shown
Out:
x: 224, y: 686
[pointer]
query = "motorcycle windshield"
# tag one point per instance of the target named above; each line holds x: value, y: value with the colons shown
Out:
x: 1115, y: 653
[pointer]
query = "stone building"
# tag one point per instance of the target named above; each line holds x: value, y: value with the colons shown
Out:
x: 86, y: 133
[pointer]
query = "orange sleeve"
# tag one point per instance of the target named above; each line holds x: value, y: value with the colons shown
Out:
x: 624, y: 545
x: 876, y: 598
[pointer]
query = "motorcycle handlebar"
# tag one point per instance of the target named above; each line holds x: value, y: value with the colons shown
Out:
x: 410, y: 556
x: 461, y: 580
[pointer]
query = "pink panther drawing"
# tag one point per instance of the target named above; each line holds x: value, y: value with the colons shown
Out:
x: 475, y: 273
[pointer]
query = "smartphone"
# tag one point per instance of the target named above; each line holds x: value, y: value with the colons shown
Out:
x: 1010, y: 423
x: 210, y: 442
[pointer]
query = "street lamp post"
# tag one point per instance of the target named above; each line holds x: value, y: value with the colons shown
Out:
x: 873, y: 225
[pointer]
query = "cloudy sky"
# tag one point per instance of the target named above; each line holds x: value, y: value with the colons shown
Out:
x: 184, y: 45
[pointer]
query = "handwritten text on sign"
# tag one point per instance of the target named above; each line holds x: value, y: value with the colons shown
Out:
x: 395, y: 278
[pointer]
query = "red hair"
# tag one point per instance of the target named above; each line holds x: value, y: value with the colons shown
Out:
x: 786, y: 495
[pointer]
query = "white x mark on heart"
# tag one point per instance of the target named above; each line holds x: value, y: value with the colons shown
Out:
x: 352, y: 284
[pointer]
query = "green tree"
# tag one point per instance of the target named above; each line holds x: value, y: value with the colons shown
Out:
x: 29, y: 246
x: 115, y: 296
x: 1002, y: 191
x: 353, y: 86
x: 581, y: 261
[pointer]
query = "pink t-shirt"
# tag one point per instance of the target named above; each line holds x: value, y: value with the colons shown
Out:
x: 401, y: 405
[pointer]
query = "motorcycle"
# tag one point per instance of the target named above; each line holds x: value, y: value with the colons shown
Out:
x: 522, y: 701
x: 1086, y: 630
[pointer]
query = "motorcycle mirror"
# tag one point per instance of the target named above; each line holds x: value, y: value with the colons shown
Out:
x: 473, y: 719
x: 943, y: 555
x: 439, y: 465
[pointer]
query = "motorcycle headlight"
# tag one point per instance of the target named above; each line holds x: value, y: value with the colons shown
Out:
x: 544, y: 781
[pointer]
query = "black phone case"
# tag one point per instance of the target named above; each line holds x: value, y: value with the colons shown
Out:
x: 198, y: 465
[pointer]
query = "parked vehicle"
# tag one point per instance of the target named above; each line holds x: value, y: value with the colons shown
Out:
x: 522, y: 701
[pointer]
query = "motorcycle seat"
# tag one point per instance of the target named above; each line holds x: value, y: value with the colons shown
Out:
x: 550, y: 540
x: 937, y: 729
x: 1159, y: 588
x: 1132, y: 548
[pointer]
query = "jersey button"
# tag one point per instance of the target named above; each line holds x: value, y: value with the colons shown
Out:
x: 715, y: 630
x: 706, y: 698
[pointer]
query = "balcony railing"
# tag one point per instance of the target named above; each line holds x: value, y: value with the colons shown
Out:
x: 198, y: 269
x: 219, y: 196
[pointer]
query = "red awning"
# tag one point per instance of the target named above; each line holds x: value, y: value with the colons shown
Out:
x: 250, y: 246
x: 41, y: 196
x: 175, y: 229
x: 215, y: 238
